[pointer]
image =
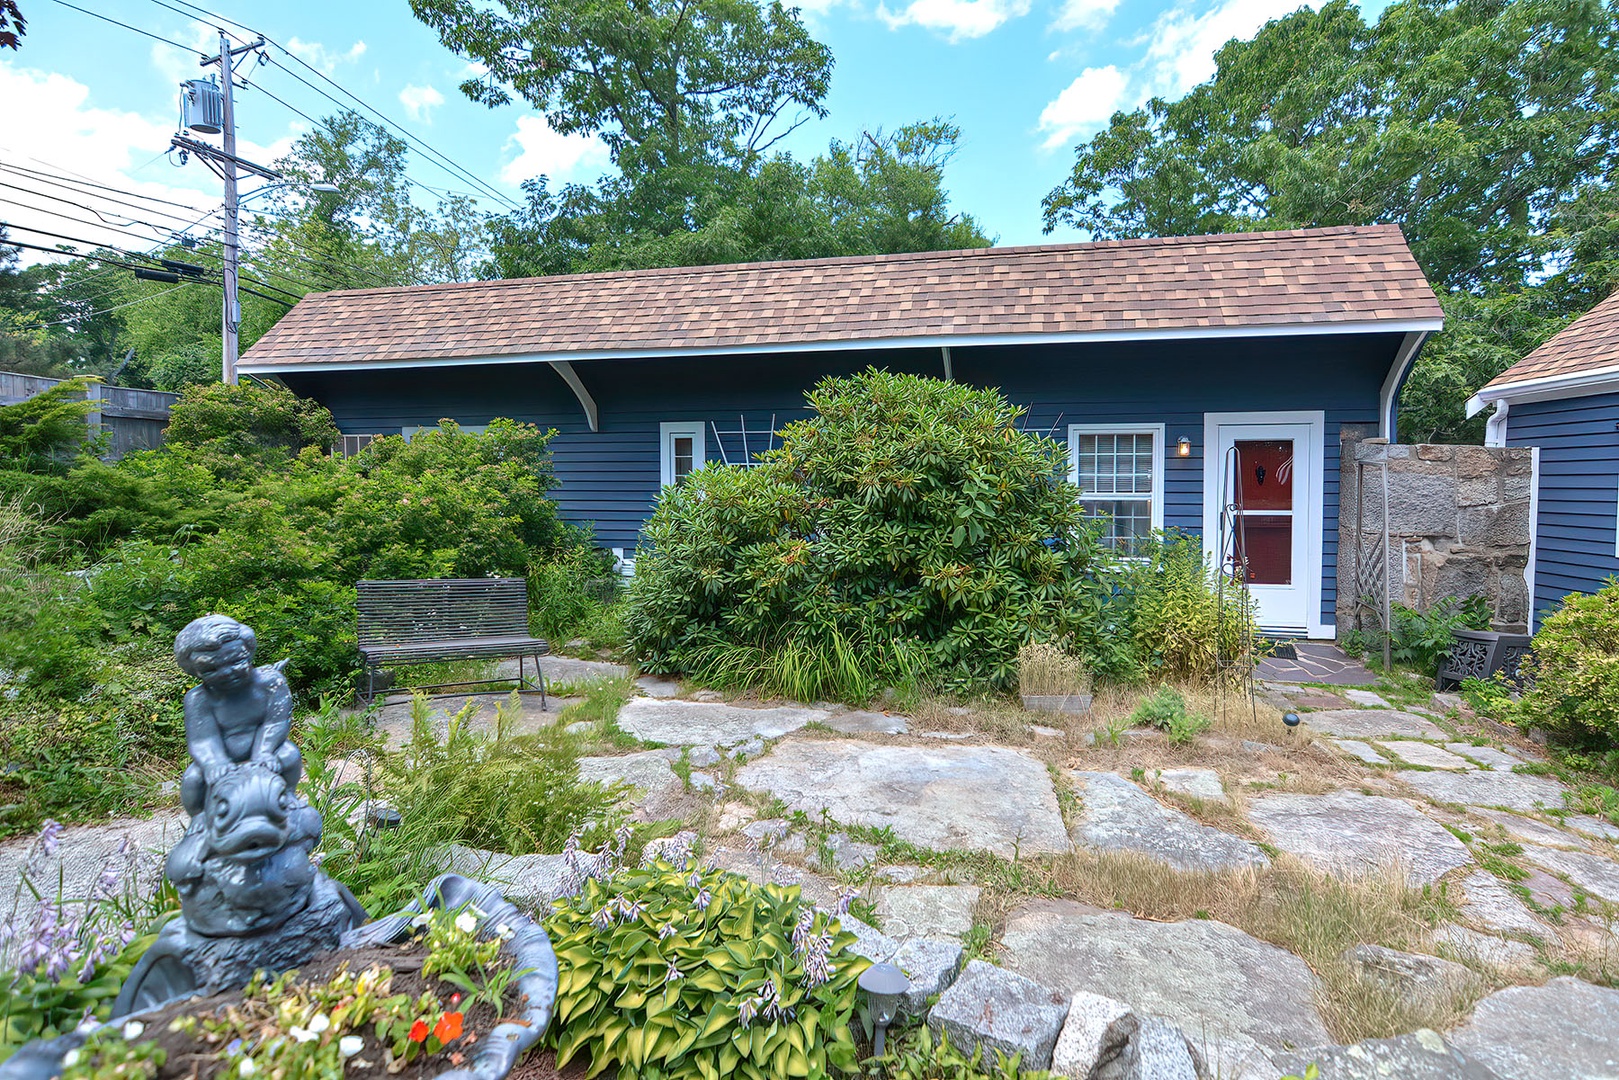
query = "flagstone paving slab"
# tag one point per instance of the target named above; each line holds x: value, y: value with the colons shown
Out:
x: 1595, y: 874
x: 991, y: 1007
x: 1212, y: 979
x: 704, y: 723
x: 1493, y: 906
x: 1463, y: 944
x: 988, y: 798
x: 1486, y: 756
x: 862, y: 722
x: 1421, y: 753
x: 1198, y: 783
x: 1566, y: 1028
x: 1348, y: 833
x: 1421, y: 1055
x: 1115, y: 815
x: 1590, y: 826
x: 1373, y: 724
x: 1514, y: 791
x: 936, y: 911
x: 649, y: 772
x: 1362, y: 750
x: 1533, y: 831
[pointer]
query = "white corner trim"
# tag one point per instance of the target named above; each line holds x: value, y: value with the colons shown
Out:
x: 935, y: 341
x: 1157, y: 433
x: 666, y: 454
x: 571, y: 377
x: 1315, y: 513
x: 1548, y: 388
x: 1495, y: 428
x: 1534, y: 530
x: 1388, y: 397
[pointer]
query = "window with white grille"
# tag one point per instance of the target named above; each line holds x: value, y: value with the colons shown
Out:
x: 1120, y: 473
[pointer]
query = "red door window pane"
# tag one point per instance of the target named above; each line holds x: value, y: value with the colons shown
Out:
x: 1265, y: 489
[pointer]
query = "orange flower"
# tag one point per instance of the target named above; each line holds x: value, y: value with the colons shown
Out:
x: 448, y: 1027
x: 418, y: 1031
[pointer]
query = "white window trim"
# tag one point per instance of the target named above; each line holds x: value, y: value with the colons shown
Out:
x: 667, y: 431
x: 1157, y: 433
x: 410, y: 431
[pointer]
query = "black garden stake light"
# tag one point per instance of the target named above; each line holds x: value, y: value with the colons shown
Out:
x: 1291, y: 719
x: 883, y: 984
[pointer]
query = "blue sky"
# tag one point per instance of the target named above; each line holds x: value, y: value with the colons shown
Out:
x: 1025, y: 80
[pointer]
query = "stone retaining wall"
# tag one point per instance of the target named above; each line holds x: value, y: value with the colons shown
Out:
x: 1460, y: 527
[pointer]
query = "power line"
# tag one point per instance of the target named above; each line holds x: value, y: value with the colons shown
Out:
x: 126, y: 26
x: 439, y: 158
x: 108, y: 311
x: 130, y: 265
x: 138, y: 255
x: 62, y: 178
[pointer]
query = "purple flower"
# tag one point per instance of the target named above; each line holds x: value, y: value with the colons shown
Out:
x: 44, y: 846
x: 746, y: 1011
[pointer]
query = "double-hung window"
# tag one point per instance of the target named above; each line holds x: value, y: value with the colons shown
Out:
x: 1120, y: 472
x: 683, y: 451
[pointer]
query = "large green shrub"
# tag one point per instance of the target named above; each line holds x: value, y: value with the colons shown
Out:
x: 1576, y: 671
x: 1178, y: 623
x: 47, y: 431
x: 689, y: 974
x: 908, y: 528
x: 249, y: 421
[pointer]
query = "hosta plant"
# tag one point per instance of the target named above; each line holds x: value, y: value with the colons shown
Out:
x: 672, y: 973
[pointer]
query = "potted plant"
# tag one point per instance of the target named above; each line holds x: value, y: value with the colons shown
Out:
x: 1052, y: 679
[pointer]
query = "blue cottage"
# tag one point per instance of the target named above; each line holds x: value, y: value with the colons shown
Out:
x: 1563, y: 401
x: 1155, y: 360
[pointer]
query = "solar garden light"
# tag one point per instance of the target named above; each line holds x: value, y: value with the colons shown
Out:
x: 883, y: 984
x: 1291, y: 719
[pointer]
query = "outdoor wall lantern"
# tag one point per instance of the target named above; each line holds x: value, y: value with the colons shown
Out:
x: 1183, y: 446
x: 883, y: 984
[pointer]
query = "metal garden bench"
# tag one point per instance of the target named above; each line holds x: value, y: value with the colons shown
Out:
x: 408, y: 622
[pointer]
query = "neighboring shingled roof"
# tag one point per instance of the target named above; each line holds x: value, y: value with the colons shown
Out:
x: 1588, y: 344
x: 1306, y: 277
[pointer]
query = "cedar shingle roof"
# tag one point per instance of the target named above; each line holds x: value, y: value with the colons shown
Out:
x: 1589, y: 343
x: 1309, y: 277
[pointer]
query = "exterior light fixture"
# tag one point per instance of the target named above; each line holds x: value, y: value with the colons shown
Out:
x: 1183, y: 446
x: 883, y: 984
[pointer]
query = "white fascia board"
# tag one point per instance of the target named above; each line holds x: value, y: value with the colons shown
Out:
x: 1548, y: 388
x: 863, y: 344
x: 1391, y: 385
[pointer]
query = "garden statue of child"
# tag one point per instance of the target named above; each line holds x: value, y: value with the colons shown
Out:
x: 237, y: 714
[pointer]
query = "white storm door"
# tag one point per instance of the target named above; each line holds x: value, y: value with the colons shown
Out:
x: 1263, y: 479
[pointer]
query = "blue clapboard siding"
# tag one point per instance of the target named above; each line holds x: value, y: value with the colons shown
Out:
x: 1579, y: 492
x: 610, y: 479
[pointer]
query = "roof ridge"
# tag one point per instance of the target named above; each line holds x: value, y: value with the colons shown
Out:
x: 1256, y: 236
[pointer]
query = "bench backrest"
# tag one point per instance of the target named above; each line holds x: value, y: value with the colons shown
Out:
x: 441, y: 609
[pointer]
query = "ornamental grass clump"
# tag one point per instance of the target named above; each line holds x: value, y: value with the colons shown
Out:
x: 907, y: 532
x: 688, y: 973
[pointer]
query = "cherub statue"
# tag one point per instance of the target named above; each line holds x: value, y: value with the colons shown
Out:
x: 237, y: 714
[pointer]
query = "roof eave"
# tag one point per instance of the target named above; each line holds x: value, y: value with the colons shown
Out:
x: 1370, y: 326
x: 1547, y: 388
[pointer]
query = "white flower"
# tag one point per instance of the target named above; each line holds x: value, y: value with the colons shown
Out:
x: 133, y: 1028
x: 421, y: 920
x: 303, y: 1035
x: 319, y: 1023
x: 349, y: 1045
x: 504, y: 932
x: 246, y: 1067
x: 466, y: 922
x: 70, y: 1059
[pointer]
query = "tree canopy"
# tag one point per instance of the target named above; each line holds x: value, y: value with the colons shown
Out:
x: 1487, y: 129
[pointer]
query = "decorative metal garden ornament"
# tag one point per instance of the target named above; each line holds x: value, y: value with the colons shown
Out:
x: 250, y: 897
x: 883, y: 984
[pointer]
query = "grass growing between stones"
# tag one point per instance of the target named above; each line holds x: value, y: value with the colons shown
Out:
x: 602, y: 700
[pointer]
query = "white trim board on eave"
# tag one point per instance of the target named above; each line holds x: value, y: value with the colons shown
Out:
x: 862, y: 344
x: 1548, y: 388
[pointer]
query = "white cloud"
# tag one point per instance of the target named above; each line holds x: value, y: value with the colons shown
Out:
x: 1084, y: 14
x: 1182, y: 44
x: 542, y: 151
x: 114, y: 147
x: 961, y: 19
x: 178, y: 67
x: 420, y: 101
x: 319, y: 56
x: 1085, y: 106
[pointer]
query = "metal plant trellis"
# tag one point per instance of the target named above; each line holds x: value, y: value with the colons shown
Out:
x: 1231, y: 572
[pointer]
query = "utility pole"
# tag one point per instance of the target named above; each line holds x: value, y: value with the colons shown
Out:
x: 225, y: 163
x: 233, y: 306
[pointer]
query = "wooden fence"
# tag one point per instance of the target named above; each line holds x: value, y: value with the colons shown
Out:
x: 134, y: 419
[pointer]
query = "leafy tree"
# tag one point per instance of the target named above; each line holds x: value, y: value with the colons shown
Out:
x: 12, y: 25
x: 665, y: 83
x: 1488, y: 129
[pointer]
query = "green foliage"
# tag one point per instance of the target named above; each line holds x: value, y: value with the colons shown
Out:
x: 1575, y: 696
x: 248, y: 421
x: 1165, y: 709
x: 572, y: 592
x: 1489, y: 697
x: 38, y: 1006
x: 1421, y: 639
x: 687, y: 973
x: 1177, y: 628
x: 908, y: 519
x: 1485, y: 130
x: 47, y: 431
x: 919, y: 1055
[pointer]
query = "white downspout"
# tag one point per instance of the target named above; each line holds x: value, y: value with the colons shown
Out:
x: 1495, y: 428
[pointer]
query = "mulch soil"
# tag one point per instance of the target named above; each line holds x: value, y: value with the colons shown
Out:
x: 192, y: 1058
